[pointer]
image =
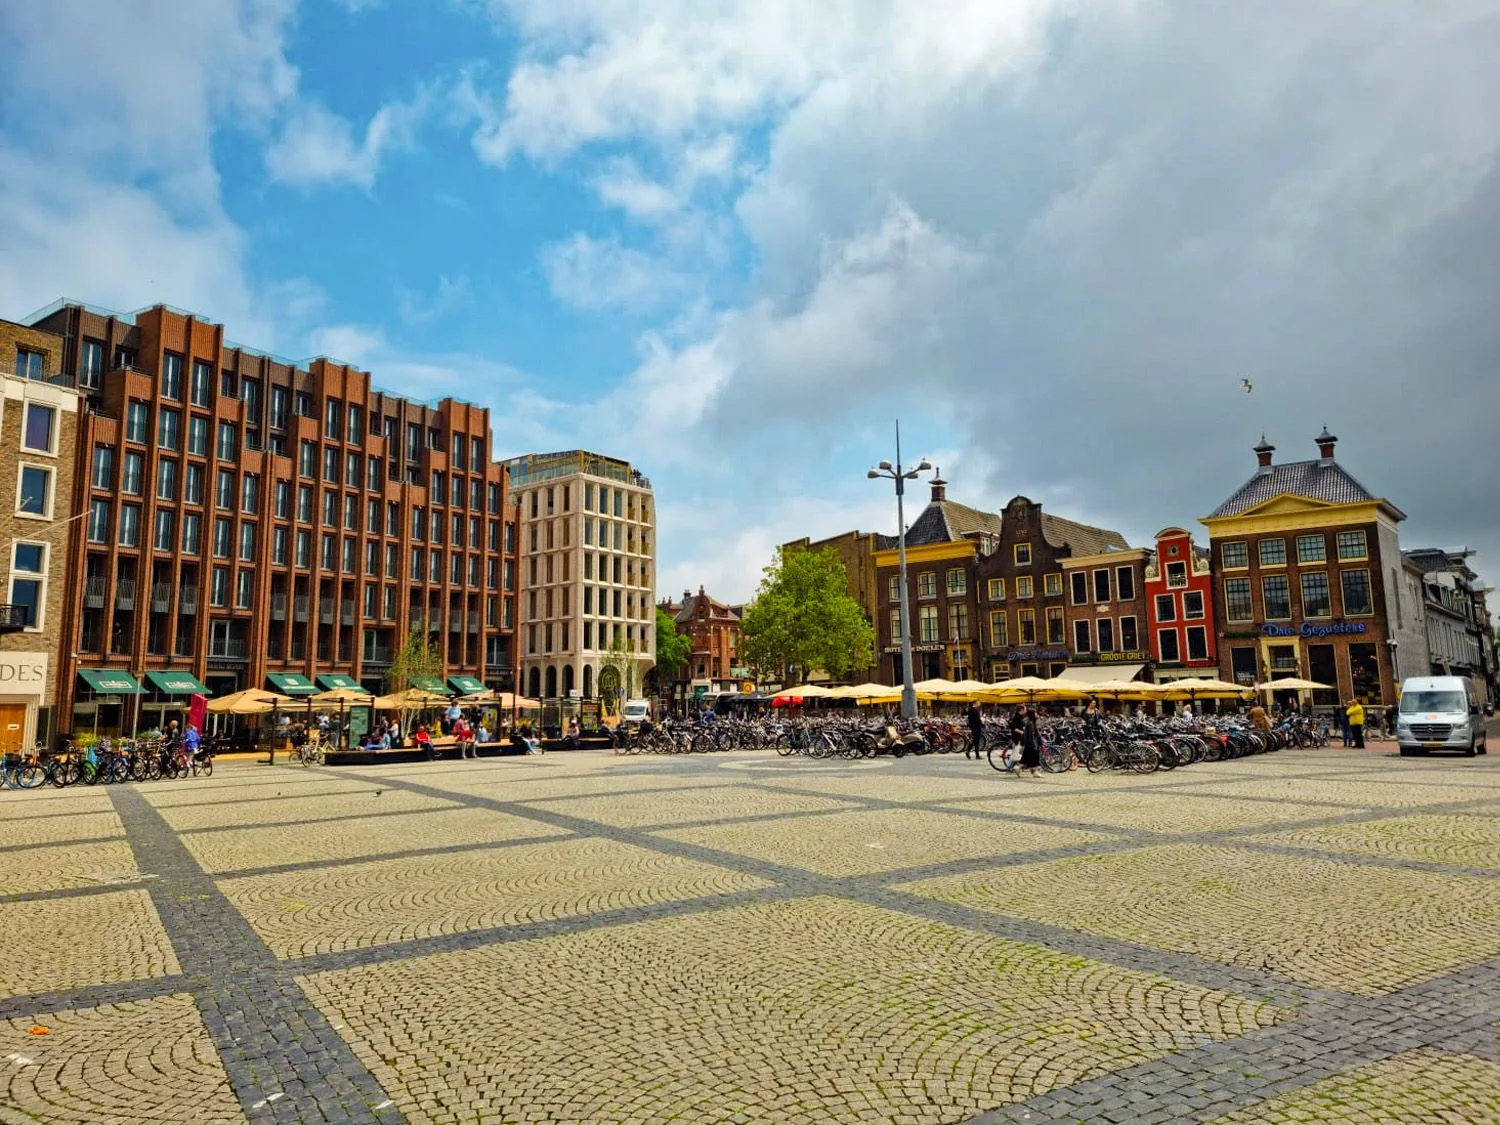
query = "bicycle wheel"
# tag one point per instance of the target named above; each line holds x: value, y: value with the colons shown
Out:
x: 32, y: 776
x: 205, y: 767
x: 997, y: 758
x: 1057, y: 758
x: 1097, y: 757
x: 1145, y: 758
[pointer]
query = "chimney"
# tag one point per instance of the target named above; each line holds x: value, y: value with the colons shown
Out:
x: 939, y: 487
x: 1263, y: 453
x: 1326, y: 442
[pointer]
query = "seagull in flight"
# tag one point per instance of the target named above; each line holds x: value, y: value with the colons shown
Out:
x: 1246, y: 385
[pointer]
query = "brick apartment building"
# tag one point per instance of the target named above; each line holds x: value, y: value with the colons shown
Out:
x: 1106, y: 612
x: 1179, y: 592
x: 250, y: 522
x: 714, y: 629
x: 38, y: 424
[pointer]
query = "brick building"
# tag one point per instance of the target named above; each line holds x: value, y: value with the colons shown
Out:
x: 1106, y: 612
x: 714, y: 628
x: 38, y: 433
x: 1307, y: 578
x: 1179, y: 593
x: 251, y: 522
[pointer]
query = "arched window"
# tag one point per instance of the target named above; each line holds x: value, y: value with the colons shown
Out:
x: 567, y: 677
x: 551, y: 682
x: 534, y: 683
x: 588, y: 682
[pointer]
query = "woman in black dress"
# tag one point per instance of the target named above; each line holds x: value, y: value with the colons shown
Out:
x: 1031, y: 740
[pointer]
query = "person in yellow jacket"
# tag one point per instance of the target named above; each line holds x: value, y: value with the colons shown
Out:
x: 1356, y: 714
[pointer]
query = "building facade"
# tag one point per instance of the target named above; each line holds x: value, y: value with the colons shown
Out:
x: 249, y: 522
x: 1106, y: 614
x: 1455, y: 615
x: 38, y: 435
x: 1180, y: 608
x: 714, y: 629
x: 588, y: 560
x: 1307, y: 578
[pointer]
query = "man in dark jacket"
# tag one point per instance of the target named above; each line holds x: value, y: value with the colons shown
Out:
x: 976, y: 733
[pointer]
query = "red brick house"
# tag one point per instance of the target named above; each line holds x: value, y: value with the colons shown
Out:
x: 1180, y: 608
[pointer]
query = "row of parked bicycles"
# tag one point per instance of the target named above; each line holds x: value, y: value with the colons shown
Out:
x: 1136, y: 745
x: 109, y: 761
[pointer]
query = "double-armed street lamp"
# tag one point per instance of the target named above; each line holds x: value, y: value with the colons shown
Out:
x: 901, y: 475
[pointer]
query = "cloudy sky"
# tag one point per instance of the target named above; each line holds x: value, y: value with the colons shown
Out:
x: 733, y: 240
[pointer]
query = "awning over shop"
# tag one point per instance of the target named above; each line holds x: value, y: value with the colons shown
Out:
x: 433, y: 684
x: 176, y: 683
x: 110, y: 681
x: 466, y: 685
x: 332, y: 681
x: 291, y: 683
x: 1101, y: 673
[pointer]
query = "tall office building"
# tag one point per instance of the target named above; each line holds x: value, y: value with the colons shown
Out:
x: 588, y: 563
x: 252, y: 522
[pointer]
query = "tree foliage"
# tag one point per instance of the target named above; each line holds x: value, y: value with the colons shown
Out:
x: 418, y: 659
x: 803, y: 618
x: 672, y: 648
x: 619, y: 675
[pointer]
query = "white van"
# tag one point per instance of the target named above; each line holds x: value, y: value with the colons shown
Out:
x: 636, y: 711
x: 1440, y: 713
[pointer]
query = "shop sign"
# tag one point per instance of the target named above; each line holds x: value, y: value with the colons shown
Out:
x: 1312, y: 629
x: 22, y: 672
x: 747, y: 687
x: 1040, y: 654
x: 938, y: 647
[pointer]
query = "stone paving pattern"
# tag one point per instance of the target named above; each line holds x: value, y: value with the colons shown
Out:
x: 1307, y: 936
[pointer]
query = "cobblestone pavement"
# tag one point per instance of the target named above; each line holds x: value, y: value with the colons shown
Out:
x: 1307, y: 936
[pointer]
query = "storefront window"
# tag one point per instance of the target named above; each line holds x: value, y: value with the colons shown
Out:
x: 1364, y: 671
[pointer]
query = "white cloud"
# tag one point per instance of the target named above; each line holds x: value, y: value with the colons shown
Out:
x: 596, y: 274
x: 317, y: 147
x: 450, y: 295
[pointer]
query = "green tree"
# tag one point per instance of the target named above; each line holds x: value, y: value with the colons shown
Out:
x: 803, y: 618
x: 417, y: 660
x: 672, y: 648
x: 619, y: 675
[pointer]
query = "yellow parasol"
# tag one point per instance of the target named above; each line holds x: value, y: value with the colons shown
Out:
x: 249, y: 702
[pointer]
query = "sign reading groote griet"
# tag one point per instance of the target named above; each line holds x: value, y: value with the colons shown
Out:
x: 1308, y: 629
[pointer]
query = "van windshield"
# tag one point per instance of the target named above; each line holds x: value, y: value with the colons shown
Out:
x: 1449, y: 702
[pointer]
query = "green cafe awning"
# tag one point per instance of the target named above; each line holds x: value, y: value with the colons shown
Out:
x: 430, y: 683
x: 176, y: 683
x: 291, y: 683
x: 110, y: 681
x: 466, y: 685
x: 330, y: 681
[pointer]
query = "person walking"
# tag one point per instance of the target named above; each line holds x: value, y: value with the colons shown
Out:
x: 976, y: 733
x: 1356, y: 719
x: 1023, y: 727
x: 1346, y: 736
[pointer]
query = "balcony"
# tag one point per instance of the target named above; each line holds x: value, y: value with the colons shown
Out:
x: 161, y: 597
x: 226, y: 648
x: 346, y: 613
x: 299, y: 608
x: 278, y: 607
x: 14, y: 618
x: 187, y: 600
x: 325, y: 613
x: 125, y: 593
x: 473, y: 621
x: 93, y: 591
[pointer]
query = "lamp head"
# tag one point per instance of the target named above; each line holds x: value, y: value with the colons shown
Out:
x: 886, y: 465
x: 923, y: 465
x: 873, y: 475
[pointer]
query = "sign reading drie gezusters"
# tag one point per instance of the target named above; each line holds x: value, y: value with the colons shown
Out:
x: 23, y: 673
x: 1314, y: 629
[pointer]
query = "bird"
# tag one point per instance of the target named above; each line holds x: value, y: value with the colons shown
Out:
x: 1246, y: 385
x: 378, y: 792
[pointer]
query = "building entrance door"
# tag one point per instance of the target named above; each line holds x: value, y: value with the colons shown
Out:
x: 12, y: 727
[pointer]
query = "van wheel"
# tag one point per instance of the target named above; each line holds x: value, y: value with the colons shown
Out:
x: 1407, y: 752
x: 1472, y: 750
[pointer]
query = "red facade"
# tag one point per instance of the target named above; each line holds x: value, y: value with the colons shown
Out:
x: 1180, y: 608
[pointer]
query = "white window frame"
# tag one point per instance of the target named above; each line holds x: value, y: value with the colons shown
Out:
x: 52, y: 433
x: 30, y: 576
x: 46, y: 515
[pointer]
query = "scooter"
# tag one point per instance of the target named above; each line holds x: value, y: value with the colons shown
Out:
x: 897, y: 744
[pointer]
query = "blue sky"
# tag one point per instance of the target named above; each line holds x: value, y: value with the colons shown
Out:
x: 733, y: 240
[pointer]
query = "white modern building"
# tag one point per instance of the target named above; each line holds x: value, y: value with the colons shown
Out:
x: 588, y: 575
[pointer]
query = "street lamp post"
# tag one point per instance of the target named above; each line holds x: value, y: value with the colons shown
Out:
x: 901, y: 475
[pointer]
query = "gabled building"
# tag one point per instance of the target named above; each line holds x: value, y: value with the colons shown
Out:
x: 1179, y: 606
x: 1457, y: 621
x: 714, y: 629
x: 1106, y: 612
x: 1307, y: 566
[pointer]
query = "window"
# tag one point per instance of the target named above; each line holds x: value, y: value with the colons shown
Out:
x: 997, y: 589
x: 1101, y: 586
x: 91, y: 374
x: 130, y: 525
x: 356, y: 424
x: 1352, y: 546
x: 278, y: 545
x: 203, y: 382
x: 1197, y: 642
x: 192, y: 533
x: 333, y: 419
x: 99, y: 521
x: 169, y: 429
x: 1176, y: 576
x: 36, y: 491
x: 247, y: 542
x: 1054, y: 585
x: 307, y: 459
x: 1273, y: 552
x: 164, y: 536
x: 192, y: 484
x: 1080, y: 583
x: 390, y: 604
x: 171, y: 376
x: 390, y: 560
x: 1125, y: 583
x: 166, y: 480
x: 958, y: 582
x: 227, y: 383
x: 1237, y: 603
x: 102, y: 468
x: 218, y: 587
x: 928, y: 622
x: 350, y: 557
x: 1312, y: 549
x: 304, y: 548
x: 958, y: 622
x: 283, y: 503
x: 1167, y: 646
x: 39, y: 432
x: 1106, y: 632
x: 304, y: 504
x: 1023, y: 554
x: 372, y: 559
x: 135, y: 469
x: 1166, y: 607
x: 227, y: 445
x: 1192, y: 605
x: 1357, y: 599
x: 331, y: 463
x: 250, y: 494
x: 223, y: 533
x: 418, y: 563
x: 137, y: 422
x: 354, y: 470
x: 1317, y: 600
x: 28, y: 580
x: 1129, y: 639
x: 1056, y: 631
x: 439, y: 487
x: 197, y: 435
x: 373, y: 476
x: 224, y: 490
x: 1026, y: 627
x: 1276, y: 593
x: 1234, y: 556
x: 244, y: 589
x: 279, y: 399
x: 330, y: 508
x: 999, y: 631
x: 460, y: 449
x: 328, y: 552
x: 927, y: 585
x: 30, y: 364
x: 351, y: 512
x: 1023, y: 587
